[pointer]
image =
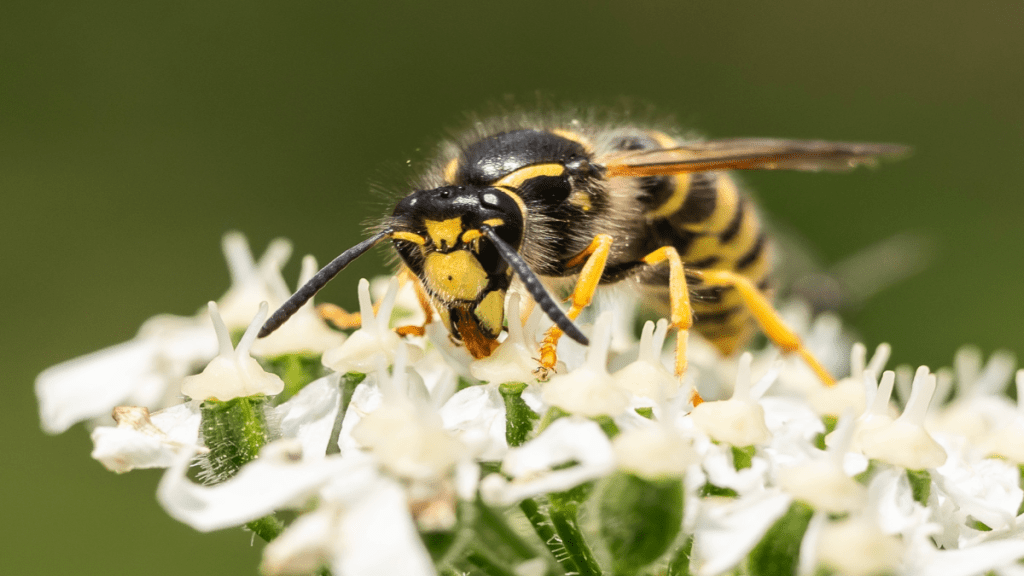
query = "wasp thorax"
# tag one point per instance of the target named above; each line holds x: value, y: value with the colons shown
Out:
x: 457, y: 264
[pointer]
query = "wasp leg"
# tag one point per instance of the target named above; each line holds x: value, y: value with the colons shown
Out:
x: 679, y: 300
x: 767, y: 317
x: 344, y: 320
x: 338, y: 317
x: 595, y: 256
x: 406, y: 275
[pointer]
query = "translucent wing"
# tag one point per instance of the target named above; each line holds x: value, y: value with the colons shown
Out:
x: 750, y: 154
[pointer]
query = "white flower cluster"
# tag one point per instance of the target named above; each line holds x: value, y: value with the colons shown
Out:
x: 377, y: 467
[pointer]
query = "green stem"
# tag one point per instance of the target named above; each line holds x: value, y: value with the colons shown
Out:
x: 519, y: 416
x: 1020, y: 510
x: 920, y: 485
x: 564, y: 521
x: 680, y: 563
x: 497, y: 525
x: 296, y: 370
x: 487, y: 565
x: 348, y: 385
x: 542, y: 526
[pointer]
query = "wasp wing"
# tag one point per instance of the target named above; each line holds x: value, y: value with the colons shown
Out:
x: 750, y: 154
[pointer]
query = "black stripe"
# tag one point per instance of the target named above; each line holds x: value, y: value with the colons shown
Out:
x: 734, y: 225
x: 701, y: 199
x: 702, y: 263
x: 710, y: 295
x: 725, y: 331
x: 754, y: 253
x: 655, y: 190
x: 719, y: 317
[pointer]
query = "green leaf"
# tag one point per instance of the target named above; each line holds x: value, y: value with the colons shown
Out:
x: 639, y: 519
x: 777, y: 553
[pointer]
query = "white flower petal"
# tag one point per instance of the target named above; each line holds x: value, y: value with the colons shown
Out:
x: 727, y: 530
x: 375, y: 341
x: 92, y: 385
x: 589, y: 390
x: 277, y: 479
x: 376, y: 536
x: 477, y: 416
x: 654, y: 452
x: 304, y: 546
x: 309, y: 416
x: 233, y: 373
x: 857, y: 547
x: 530, y: 465
x: 513, y: 360
x: 141, y: 440
x: 970, y: 562
x: 305, y: 331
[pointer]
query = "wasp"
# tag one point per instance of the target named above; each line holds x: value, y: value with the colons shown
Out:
x: 597, y: 205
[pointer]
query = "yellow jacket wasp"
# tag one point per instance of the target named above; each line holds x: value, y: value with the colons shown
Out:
x: 604, y: 205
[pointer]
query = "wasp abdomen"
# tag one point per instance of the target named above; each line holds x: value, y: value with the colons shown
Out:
x: 713, y: 226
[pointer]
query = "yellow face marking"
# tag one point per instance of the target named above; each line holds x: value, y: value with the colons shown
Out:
x: 446, y: 318
x: 451, y: 169
x: 672, y: 204
x: 516, y: 179
x: 574, y: 136
x: 444, y: 232
x: 490, y: 312
x: 494, y: 222
x: 454, y: 276
x: 471, y: 235
x: 409, y: 237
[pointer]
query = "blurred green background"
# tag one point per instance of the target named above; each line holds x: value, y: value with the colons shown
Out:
x: 133, y: 135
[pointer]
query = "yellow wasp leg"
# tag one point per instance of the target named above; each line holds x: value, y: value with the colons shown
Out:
x: 337, y: 316
x: 596, y: 256
x: 767, y: 318
x: 343, y: 320
x: 679, y: 299
x: 421, y: 296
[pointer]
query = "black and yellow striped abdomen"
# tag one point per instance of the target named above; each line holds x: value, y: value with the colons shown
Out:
x: 712, y: 225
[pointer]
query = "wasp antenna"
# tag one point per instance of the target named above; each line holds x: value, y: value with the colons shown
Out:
x: 534, y: 287
x: 318, y: 281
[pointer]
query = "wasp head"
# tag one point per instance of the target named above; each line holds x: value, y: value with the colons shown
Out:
x: 442, y: 235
